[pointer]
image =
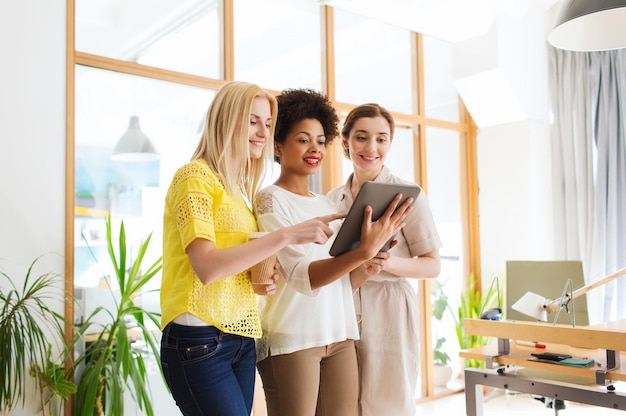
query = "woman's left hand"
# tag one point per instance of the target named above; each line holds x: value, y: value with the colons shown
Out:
x: 376, y: 264
x: 265, y: 289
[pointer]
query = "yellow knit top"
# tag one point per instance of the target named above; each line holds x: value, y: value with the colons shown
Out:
x: 197, y: 206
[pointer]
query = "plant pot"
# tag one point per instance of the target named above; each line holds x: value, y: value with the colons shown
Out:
x: 442, y: 375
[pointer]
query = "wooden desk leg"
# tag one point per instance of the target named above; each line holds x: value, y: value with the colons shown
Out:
x: 473, y: 393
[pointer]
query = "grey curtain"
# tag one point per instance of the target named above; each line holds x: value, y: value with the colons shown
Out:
x: 589, y: 161
x: 572, y: 153
x: 608, y: 109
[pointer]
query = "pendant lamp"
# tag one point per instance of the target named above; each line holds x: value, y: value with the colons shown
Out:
x: 134, y: 145
x: 590, y: 25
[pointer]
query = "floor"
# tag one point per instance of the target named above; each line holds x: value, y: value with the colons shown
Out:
x: 497, y: 402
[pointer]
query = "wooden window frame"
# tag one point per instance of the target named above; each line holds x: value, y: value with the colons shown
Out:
x: 331, y: 170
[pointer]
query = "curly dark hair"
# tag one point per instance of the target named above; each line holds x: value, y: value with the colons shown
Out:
x: 295, y: 105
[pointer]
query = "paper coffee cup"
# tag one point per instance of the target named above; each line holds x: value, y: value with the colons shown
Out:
x: 262, y: 272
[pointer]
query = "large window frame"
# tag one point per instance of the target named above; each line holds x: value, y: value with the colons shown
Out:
x: 332, y: 169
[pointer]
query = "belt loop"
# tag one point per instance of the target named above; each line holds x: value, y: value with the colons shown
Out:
x: 166, y: 331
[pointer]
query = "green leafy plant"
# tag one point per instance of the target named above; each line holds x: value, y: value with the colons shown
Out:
x: 440, y: 304
x: 470, y: 306
x: 29, y: 329
x: 54, y: 378
x: 440, y: 356
x: 110, y: 364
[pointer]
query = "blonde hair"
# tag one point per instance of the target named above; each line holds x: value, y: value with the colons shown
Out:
x: 224, y: 143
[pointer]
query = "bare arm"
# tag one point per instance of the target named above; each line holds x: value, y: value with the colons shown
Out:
x: 426, y: 266
x: 211, y: 263
x: 373, y: 237
x: 371, y: 267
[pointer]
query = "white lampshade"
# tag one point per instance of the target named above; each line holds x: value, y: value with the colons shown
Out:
x: 134, y: 145
x: 531, y: 304
x: 590, y: 25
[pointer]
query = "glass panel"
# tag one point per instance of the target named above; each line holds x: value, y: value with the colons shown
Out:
x: 171, y: 34
x: 373, y: 62
x: 170, y: 115
x: 277, y: 43
x: 444, y: 193
x: 399, y: 158
x: 441, y: 98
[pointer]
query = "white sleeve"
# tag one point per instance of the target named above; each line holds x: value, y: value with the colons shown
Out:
x: 294, y: 262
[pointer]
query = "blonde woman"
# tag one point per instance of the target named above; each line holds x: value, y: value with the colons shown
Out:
x: 209, y: 309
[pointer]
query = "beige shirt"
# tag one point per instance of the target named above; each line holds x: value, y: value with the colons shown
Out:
x: 419, y: 235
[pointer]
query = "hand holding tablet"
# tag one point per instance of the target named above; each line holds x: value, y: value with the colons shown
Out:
x: 377, y: 195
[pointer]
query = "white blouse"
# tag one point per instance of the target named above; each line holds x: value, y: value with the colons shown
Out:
x: 295, y: 317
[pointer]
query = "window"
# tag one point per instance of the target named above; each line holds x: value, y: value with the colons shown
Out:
x: 441, y: 98
x: 372, y: 63
x: 277, y: 44
x: 162, y: 61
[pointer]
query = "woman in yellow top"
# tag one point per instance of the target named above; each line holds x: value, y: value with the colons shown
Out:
x: 209, y: 310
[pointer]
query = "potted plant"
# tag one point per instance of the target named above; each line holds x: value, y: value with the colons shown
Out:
x: 29, y: 331
x: 110, y: 364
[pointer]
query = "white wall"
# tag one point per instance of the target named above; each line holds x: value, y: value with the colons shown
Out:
x: 514, y: 165
x: 515, y: 195
x: 32, y: 137
x: 32, y: 127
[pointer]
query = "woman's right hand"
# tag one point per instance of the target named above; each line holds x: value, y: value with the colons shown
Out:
x: 316, y: 230
x: 375, y: 234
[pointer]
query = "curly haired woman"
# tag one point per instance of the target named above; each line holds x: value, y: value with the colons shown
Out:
x: 307, y: 356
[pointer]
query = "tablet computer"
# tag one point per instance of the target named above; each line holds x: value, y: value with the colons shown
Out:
x: 378, y: 195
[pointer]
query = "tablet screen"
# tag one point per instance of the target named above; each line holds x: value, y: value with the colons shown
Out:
x: 378, y: 195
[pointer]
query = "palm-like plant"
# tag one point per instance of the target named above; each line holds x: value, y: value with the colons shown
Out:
x: 110, y: 364
x: 28, y: 331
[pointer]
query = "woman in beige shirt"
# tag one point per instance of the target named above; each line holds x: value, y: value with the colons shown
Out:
x: 388, y: 350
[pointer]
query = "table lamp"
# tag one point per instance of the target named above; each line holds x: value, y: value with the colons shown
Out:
x: 536, y: 306
x: 495, y: 313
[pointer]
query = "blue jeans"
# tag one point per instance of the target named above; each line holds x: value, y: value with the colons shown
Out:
x: 209, y: 372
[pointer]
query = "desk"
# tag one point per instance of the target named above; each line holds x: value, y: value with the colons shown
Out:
x: 603, y: 343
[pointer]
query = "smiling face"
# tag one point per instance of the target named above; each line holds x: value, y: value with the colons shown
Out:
x: 304, y: 148
x: 369, y: 143
x: 259, y: 127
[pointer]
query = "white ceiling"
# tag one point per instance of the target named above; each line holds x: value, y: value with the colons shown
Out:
x: 498, y: 42
x: 500, y: 49
x: 449, y: 20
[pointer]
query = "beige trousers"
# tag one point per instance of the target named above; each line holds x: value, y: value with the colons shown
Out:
x: 320, y: 381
